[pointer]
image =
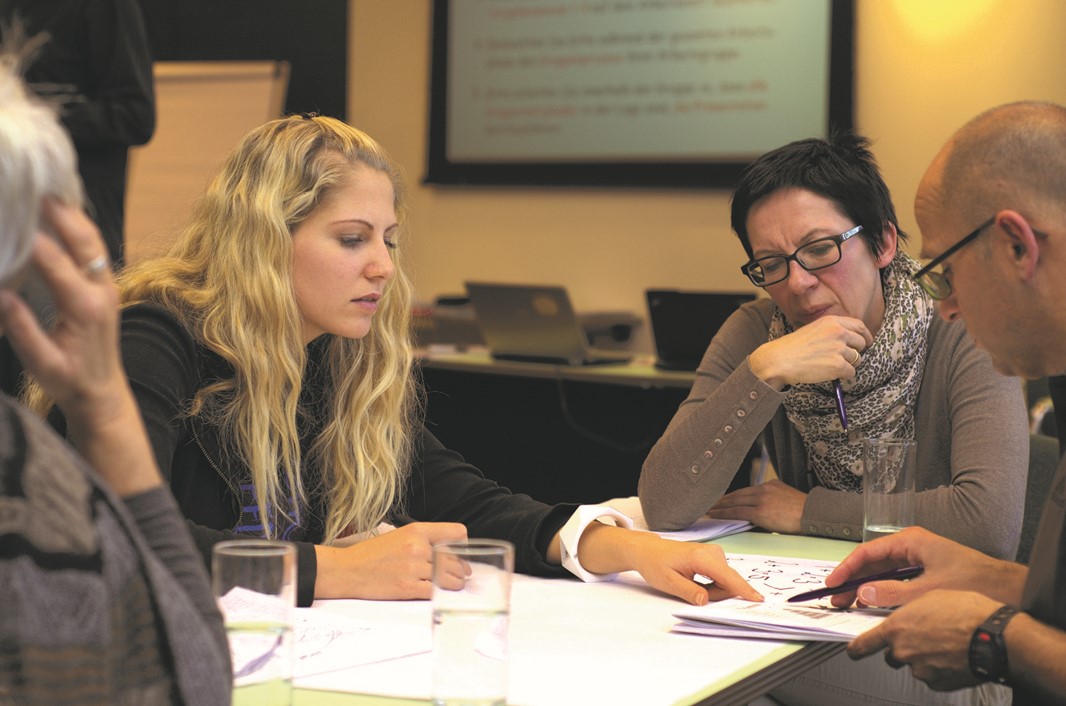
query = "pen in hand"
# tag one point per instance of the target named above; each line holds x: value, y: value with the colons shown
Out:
x: 906, y: 572
x: 840, y: 404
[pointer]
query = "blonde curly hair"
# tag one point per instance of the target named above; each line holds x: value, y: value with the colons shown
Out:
x: 228, y: 279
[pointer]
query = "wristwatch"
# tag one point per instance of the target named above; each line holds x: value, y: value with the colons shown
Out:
x: 988, y: 653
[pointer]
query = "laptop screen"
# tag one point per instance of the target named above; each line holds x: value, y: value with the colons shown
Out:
x: 531, y: 322
x: 684, y: 322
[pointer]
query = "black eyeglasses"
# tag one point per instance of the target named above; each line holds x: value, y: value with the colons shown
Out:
x: 815, y: 255
x: 933, y: 281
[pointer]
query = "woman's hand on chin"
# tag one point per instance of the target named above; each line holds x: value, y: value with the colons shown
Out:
x: 828, y: 348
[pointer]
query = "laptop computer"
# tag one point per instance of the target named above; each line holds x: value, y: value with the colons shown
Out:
x: 684, y: 322
x: 533, y: 324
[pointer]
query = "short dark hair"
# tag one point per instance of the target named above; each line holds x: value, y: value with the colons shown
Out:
x: 841, y: 169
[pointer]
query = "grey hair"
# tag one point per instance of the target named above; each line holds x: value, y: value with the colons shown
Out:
x: 37, y: 159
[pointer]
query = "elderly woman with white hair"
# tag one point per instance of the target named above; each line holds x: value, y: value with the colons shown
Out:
x: 105, y: 600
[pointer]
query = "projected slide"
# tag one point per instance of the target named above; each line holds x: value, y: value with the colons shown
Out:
x: 634, y: 81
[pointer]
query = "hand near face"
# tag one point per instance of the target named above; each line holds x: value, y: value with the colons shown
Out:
x: 932, y: 635
x: 76, y: 362
x: 773, y: 505
x: 397, y: 565
x: 828, y: 348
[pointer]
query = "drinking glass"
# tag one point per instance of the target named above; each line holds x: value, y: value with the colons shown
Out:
x: 254, y: 582
x: 471, y: 611
x: 887, y: 486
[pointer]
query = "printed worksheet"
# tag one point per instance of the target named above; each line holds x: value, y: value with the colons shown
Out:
x: 777, y: 579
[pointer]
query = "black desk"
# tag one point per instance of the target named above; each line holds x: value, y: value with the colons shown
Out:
x: 558, y: 433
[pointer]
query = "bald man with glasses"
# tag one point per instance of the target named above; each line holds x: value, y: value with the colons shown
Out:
x: 969, y: 618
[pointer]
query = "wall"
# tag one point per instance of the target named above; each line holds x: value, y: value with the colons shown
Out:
x: 922, y: 69
x: 166, y: 176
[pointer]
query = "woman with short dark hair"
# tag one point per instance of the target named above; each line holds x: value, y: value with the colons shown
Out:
x: 817, y: 223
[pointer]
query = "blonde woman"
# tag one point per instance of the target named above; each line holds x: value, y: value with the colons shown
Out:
x: 270, y: 356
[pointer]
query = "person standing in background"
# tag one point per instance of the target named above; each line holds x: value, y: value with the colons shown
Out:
x: 97, y: 66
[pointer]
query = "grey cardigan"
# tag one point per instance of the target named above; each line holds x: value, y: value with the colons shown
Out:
x: 105, y: 600
x: 971, y: 428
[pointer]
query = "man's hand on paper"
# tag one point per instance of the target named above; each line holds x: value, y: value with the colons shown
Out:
x: 957, y: 590
x: 947, y: 565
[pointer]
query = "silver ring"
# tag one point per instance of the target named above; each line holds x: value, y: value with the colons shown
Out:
x: 95, y: 266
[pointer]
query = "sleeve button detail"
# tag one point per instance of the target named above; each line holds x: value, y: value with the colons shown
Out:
x: 728, y: 428
x: 695, y: 469
x: 753, y: 395
x: 846, y: 531
x: 708, y: 454
x: 717, y: 442
x: 741, y: 413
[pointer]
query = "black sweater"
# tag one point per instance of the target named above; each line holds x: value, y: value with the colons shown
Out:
x: 166, y: 367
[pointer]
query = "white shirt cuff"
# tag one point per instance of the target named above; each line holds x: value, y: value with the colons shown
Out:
x: 570, y: 538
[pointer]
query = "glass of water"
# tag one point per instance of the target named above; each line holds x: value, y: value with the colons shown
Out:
x: 471, y: 613
x: 887, y: 486
x: 254, y: 582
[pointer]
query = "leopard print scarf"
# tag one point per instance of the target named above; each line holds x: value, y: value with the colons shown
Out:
x: 880, y: 398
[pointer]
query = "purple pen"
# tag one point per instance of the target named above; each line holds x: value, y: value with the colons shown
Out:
x: 840, y: 404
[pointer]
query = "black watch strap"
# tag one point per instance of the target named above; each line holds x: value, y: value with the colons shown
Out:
x: 988, y: 652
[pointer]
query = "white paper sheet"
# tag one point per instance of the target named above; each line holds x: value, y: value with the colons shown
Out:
x: 326, y: 642
x: 777, y: 579
x: 777, y: 619
x: 702, y: 529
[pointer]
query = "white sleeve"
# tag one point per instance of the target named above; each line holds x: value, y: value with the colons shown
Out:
x: 570, y: 538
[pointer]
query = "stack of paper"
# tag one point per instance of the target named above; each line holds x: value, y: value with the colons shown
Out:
x: 777, y: 579
x: 778, y: 620
x: 701, y: 530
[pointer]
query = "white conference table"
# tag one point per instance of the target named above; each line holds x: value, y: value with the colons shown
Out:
x: 574, y: 643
